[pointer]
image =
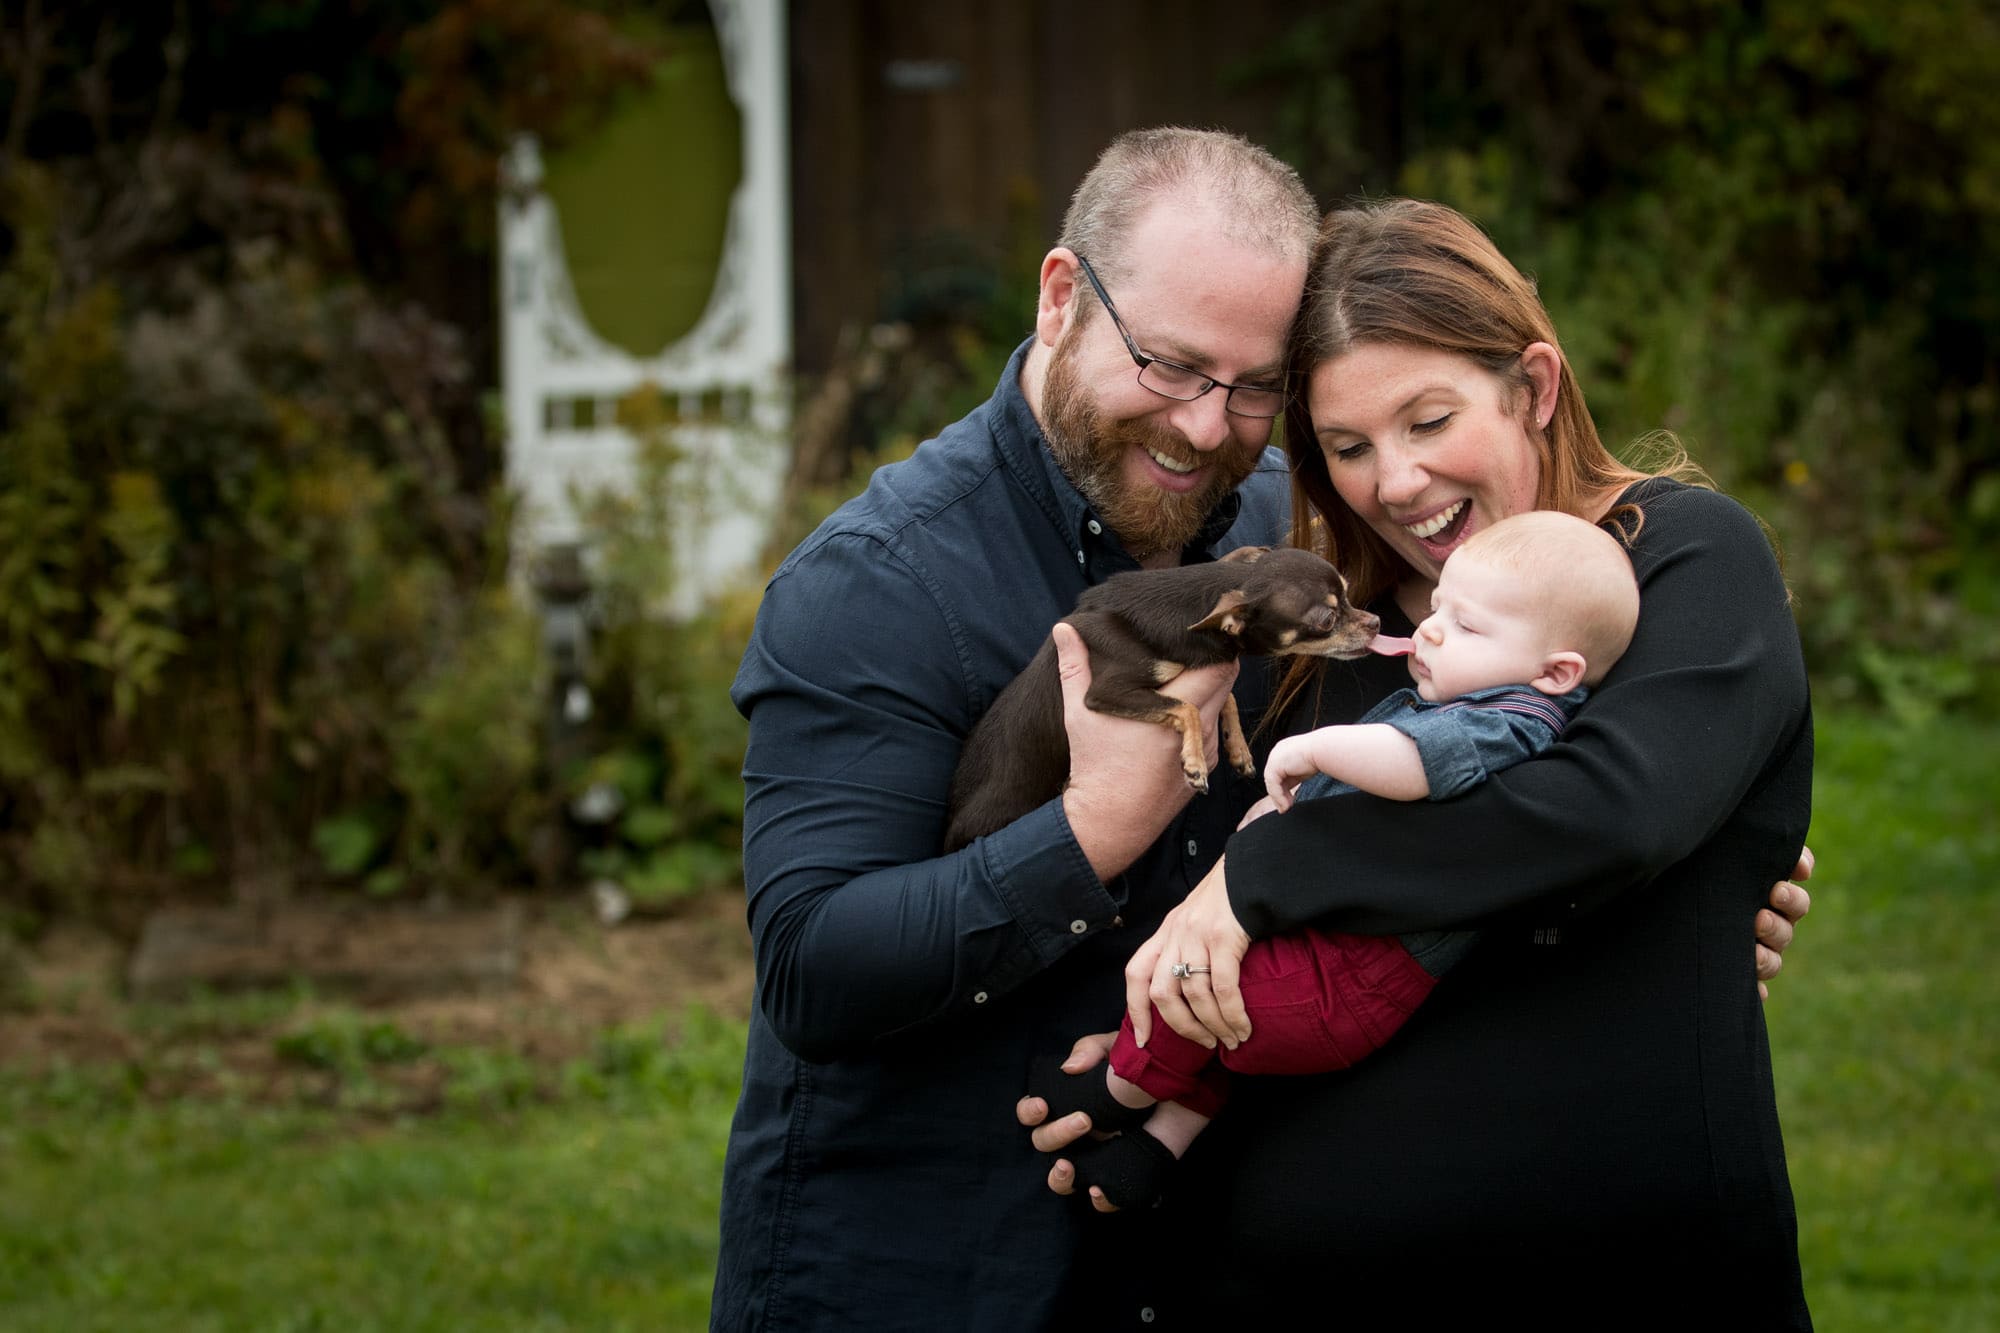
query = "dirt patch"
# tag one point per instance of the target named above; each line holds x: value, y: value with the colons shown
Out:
x: 572, y: 979
x: 345, y: 947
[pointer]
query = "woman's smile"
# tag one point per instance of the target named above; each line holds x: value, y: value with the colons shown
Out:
x: 1437, y: 522
x: 1426, y: 447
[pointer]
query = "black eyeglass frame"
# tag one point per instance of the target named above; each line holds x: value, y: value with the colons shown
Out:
x: 1207, y: 382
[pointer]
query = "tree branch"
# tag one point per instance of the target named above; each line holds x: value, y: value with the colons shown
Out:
x: 25, y: 58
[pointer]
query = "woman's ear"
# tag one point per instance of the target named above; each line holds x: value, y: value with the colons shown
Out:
x: 1056, y: 305
x: 1542, y: 364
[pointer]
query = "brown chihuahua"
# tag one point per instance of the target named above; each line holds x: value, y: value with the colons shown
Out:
x: 1142, y: 629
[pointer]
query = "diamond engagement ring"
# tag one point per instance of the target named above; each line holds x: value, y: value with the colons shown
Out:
x: 1183, y: 971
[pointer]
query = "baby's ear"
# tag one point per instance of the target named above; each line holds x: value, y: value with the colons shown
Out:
x: 1561, y: 673
x: 1227, y: 614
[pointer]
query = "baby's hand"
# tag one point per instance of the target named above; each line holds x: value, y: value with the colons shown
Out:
x: 1290, y: 764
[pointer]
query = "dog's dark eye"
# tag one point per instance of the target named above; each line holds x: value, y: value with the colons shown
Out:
x: 1319, y: 618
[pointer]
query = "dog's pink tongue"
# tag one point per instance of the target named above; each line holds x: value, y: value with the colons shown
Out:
x: 1390, y: 646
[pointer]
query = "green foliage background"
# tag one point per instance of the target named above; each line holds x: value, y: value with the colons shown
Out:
x: 1764, y: 227
x: 255, y: 624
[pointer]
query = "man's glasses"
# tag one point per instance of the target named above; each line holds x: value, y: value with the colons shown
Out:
x: 1170, y: 379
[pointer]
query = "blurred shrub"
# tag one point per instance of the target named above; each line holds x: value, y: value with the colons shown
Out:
x: 669, y: 744
x: 236, y: 543
x: 255, y: 624
x: 253, y: 615
x: 465, y: 750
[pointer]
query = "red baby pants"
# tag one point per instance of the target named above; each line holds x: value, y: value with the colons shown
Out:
x: 1317, y: 1001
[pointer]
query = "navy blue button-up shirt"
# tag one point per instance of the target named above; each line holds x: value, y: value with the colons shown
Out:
x: 875, y: 1175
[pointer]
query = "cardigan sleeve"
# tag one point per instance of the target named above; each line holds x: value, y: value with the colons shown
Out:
x: 1711, y: 689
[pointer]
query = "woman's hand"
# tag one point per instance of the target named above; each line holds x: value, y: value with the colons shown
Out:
x: 1207, y: 1005
x: 1789, y: 904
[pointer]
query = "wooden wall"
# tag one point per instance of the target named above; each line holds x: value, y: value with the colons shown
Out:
x: 932, y: 138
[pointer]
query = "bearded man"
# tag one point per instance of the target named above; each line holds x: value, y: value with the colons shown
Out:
x: 875, y: 1176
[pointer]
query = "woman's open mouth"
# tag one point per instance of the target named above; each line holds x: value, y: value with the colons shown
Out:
x: 1443, y: 529
x: 1436, y: 523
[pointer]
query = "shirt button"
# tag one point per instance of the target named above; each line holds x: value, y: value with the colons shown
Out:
x: 980, y: 998
x: 1146, y: 1315
x: 1096, y: 528
x: 1193, y: 847
x: 1078, y: 927
x: 1079, y: 557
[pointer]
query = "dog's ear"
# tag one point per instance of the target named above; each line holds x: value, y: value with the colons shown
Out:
x: 1227, y: 615
x: 1244, y: 553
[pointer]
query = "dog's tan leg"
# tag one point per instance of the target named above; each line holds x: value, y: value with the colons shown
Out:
x: 1186, y: 719
x: 1233, y: 744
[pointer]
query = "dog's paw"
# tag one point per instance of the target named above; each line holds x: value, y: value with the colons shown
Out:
x: 1197, y: 778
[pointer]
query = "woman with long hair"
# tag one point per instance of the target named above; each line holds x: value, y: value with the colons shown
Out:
x: 1579, y: 1123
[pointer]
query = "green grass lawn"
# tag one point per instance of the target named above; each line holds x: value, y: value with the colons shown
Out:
x: 585, y: 1197
x: 589, y: 1206
x: 1885, y: 1031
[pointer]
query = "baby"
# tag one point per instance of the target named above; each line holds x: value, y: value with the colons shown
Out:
x: 1527, y: 616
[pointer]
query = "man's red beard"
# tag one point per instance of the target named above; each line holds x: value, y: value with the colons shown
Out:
x: 1091, y: 450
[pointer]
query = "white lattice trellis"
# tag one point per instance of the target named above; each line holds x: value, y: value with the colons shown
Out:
x: 561, y: 380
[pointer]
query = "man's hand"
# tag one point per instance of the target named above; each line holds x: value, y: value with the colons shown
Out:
x: 1088, y: 1053
x: 1125, y: 780
x: 1789, y: 904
